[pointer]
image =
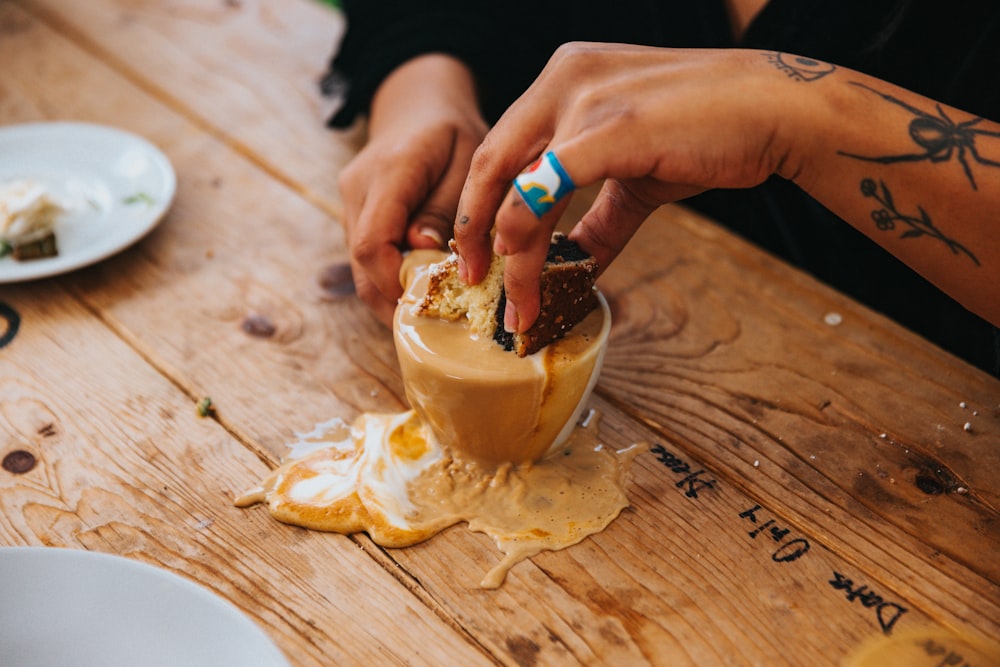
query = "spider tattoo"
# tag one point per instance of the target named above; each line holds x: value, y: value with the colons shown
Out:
x: 938, y: 136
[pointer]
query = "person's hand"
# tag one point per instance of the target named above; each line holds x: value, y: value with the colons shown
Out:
x: 402, y: 189
x: 658, y: 124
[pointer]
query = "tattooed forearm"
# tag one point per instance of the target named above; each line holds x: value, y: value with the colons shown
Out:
x: 888, y: 215
x: 799, y: 68
x: 938, y: 137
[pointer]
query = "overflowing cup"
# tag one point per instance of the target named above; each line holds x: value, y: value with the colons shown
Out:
x: 484, y: 403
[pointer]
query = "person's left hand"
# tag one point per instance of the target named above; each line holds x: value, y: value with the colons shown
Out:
x: 401, y: 191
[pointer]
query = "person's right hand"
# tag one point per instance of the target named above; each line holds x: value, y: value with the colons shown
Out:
x: 401, y: 191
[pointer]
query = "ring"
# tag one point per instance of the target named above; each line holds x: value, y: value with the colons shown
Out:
x: 543, y: 184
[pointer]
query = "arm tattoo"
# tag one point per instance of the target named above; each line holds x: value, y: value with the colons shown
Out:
x: 887, y: 215
x: 799, y: 68
x: 938, y: 138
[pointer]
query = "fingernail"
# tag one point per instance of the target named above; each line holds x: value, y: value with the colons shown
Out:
x: 463, y: 270
x: 433, y: 234
x: 510, y: 319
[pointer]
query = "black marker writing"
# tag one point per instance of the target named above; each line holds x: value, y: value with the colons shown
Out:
x: 694, y: 481
x: 789, y: 551
x: 887, y: 613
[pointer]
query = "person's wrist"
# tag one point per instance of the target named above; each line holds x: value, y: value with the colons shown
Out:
x: 809, y: 132
x: 433, y: 79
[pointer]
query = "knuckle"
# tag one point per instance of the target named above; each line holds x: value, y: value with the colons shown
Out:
x: 569, y: 52
x: 484, y: 155
x: 349, y: 178
x: 364, y: 250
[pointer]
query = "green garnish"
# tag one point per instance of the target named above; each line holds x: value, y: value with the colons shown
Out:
x: 5, y: 248
x: 139, y: 198
x: 205, y: 407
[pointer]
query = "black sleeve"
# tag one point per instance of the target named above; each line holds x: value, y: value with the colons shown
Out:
x: 383, y: 34
x: 505, y: 43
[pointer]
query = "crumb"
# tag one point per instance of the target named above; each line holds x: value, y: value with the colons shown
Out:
x: 205, y: 407
x: 756, y: 463
x: 968, y: 427
x: 833, y: 319
x: 961, y: 491
x: 963, y: 405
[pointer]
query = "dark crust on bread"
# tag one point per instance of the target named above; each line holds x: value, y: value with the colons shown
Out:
x: 39, y: 248
x: 567, y: 296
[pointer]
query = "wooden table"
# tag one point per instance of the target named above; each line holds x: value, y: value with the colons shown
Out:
x: 811, y: 485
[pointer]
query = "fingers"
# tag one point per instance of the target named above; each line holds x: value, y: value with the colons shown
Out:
x: 431, y: 226
x: 375, y: 254
x: 618, y: 211
x: 377, y: 207
x: 524, y: 240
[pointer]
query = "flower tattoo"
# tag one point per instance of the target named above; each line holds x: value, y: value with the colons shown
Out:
x: 887, y: 216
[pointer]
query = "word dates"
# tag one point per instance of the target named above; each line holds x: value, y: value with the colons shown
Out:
x: 789, y: 551
x: 887, y: 613
x: 693, y: 482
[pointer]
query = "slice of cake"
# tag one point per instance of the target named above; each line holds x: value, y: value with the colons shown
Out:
x: 567, y: 296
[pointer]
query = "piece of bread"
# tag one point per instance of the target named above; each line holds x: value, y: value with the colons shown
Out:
x: 567, y: 296
x: 28, y: 215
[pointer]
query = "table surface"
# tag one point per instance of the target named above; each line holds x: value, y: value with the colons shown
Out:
x: 811, y: 485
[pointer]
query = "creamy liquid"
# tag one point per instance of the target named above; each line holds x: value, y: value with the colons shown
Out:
x: 486, y: 404
x: 384, y: 476
x: 404, y: 477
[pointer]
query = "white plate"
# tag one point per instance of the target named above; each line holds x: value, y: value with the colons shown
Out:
x: 118, y: 186
x: 70, y: 607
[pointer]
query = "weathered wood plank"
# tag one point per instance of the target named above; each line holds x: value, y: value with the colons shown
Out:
x: 125, y: 465
x: 857, y: 429
x: 699, y: 570
x: 713, y: 350
x: 236, y: 246
x: 247, y: 71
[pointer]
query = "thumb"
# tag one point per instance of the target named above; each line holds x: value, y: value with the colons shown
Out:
x: 429, y: 229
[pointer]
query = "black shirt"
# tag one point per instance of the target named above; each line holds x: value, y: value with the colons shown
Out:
x: 950, y: 53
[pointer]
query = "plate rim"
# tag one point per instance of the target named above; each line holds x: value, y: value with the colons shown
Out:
x: 195, y: 591
x: 47, y: 268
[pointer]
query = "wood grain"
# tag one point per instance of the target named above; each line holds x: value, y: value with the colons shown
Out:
x: 849, y: 438
x: 125, y: 465
x: 237, y: 244
x: 248, y: 71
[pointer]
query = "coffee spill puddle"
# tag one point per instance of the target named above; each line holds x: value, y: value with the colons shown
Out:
x: 384, y: 475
